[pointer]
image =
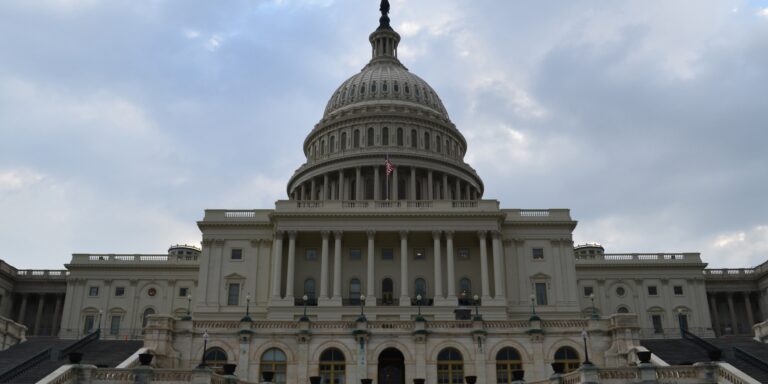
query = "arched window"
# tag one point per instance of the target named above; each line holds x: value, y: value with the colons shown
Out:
x: 145, y: 316
x: 399, y: 137
x: 448, y: 147
x: 450, y: 367
x: 507, y: 361
x: 426, y: 140
x: 309, y: 288
x: 438, y: 145
x: 385, y: 136
x: 414, y: 139
x: 622, y: 309
x: 569, y: 357
x: 356, y: 139
x: 354, y: 290
x: 332, y: 364
x: 274, y: 360
x: 322, y: 147
x: 420, y: 288
x: 215, y: 357
x: 343, y: 141
x: 370, y: 137
x: 333, y: 144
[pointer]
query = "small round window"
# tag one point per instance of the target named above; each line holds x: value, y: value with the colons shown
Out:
x: 620, y: 291
x: 152, y: 292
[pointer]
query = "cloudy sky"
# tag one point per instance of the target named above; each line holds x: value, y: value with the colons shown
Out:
x: 122, y: 120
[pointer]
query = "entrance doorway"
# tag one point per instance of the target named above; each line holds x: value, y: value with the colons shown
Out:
x: 391, y: 367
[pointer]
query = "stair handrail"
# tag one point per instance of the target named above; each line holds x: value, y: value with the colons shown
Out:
x: 700, y: 342
x: 750, y: 358
x: 80, y: 343
x: 25, y: 365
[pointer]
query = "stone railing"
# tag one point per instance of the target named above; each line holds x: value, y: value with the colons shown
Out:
x: 114, y: 259
x: 385, y: 206
x: 649, y: 373
x: 11, y: 333
x: 624, y: 258
x: 89, y: 374
x: 34, y: 274
x: 761, y: 331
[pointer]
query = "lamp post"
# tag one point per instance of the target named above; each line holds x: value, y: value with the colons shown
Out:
x: 247, y: 308
x: 98, y: 326
x: 477, y: 309
x: 594, y: 310
x: 534, y: 316
x: 362, y: 309
x: 189, y: 309
x: 304, y: 317
x: 419, y: 317
x: 584, y: 336
x: 680, y: 322
x: 205, y: 347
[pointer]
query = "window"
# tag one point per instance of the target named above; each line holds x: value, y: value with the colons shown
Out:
x: 343, y: 141
x: 507, y: 361
x: 620, y: 291
x: 370, y: 137
x: 465, y: 287
x: 652, y: 290
x: 384, y: 86
x: 332, y: 147
x: 183, y: 292
x: 622, y: 310
x: 438, y: 145
x: 385, y: 136
x: 588, y: 291
x: 397, y: 87
x: 145, y: 316
x: 450, y: 367
x: 569, y: 358
x: 215, y: 357
x: 426, y: 140
x: 464, y: 253
x: 420, y: 288
x: 538, y: 253
x: 414, y: 138
x: 93, y: 291
x: 309, y: 288
x: 119, y: 291
x: 274, y: 360
x: 373, y: 86
x: 332, y: 364
x: 88, y: 323
x: 356, y: 139
x: 233, y: 294
x: 322, y: 147
x: 387, y: 254
x: 236, y: 254
x: 114, y: 325
x: 419, y: 254
x: 355, y: 254
x: 399, y: 137
x: 657, y: 326
x: 541, y: 293
x: 387, y: 291
x: 354, y: 290
x: 678, y: 290
x: 310, y: 254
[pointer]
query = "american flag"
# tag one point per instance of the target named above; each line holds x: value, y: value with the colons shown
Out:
x: 389, y: 167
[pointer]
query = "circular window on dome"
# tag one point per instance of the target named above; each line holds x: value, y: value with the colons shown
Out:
x: 620, y: 291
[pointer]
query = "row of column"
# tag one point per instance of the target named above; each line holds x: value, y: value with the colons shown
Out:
x: 731, y: 311
x: 336, y: 295
x: 329, y: 188
x: 55, y: 321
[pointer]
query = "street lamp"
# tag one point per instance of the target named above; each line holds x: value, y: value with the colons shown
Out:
x: 534, y: 316
x: 680, y: 322
x: 362, y: 309
x: 247, y: 308
x: 477, y: 310
x: 98, y: 326
x: 205, y: 347
x: 584, y: 336
x: 594, y: 310
x: 419, y: 317
x: 304, y: 298
x: 189, y: 309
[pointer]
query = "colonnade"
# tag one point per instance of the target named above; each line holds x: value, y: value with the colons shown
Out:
x: 733, y: 319
x: 334, y: 297
x: 37, y: 326
x: 372, y: 183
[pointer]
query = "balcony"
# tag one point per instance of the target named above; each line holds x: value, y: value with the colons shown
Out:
x: 299, y: 302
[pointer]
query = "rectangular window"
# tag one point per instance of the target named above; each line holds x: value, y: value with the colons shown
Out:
x: 652, y: 290
x: 93, y: 291
x: 657, y: 327
x: 588, y: 291
x: 310, y: 254
x: 114, y: 325
x: 119, y: 291
x: 233, y: 294
x: 237, y: 254
x: 88, y: 324
x: 387, y: 254
x: 183, y: 292
x: 464, y: 253
x: 678, y: 290
x: 541, y: 293
x: 538, y: 253
x: 355, y: 254
x: 419, y: 254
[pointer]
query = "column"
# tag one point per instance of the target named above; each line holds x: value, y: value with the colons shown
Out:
x: 313, y: 189
x: 39, y: 314
x: 498, y: 269
x: 56, y: 316
x: 341, y: 185
x: 370, y: 281
x: 326, y: 189
x: 405, y: 299
x: 277, y: 265
x: 430, y: 186
x: 750, y: 315
x: 22, y: 309
x: 734, y: 325
x: 457, y: 194
x: 358, y: 184
x: 486, y: 292
x: 303, y: 191
x: 413, y: 184
x: 467, y: 193
x: 451, y: 271
x: 376, y: 184
x: 438, y: 265
x: 291, y: 266
x: 715, y: 314
x: 337, y: 266
x: 395, y: 186
x: 324, y: 266
x: 445, y: 186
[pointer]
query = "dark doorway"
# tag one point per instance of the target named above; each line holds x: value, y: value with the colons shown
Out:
x: 387, y: 294
x: 391, y: 367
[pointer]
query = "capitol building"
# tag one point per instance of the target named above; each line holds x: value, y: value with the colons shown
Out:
x: 387, y: 260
